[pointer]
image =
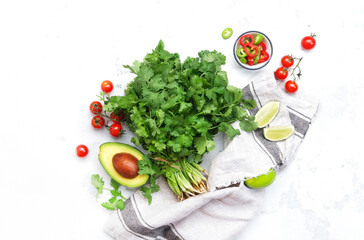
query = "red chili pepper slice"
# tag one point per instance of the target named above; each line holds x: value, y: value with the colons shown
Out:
x: 264, y: 56
x: 246, y: 39
x: 262, y: 46
x: 251, y: 61
x: 250, y: 49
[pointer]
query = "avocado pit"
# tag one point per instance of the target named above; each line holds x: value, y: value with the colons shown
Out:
x: 126, y: 165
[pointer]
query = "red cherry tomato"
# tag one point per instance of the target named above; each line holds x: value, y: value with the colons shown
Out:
x: 81, y: 150
x: 291, y: 86
x: 117, y: 117
x: 116, y: 129
x: 287, y: 61
x: 107, y: 86
x: 98, y: 122
x: 308, y: 42
x: 281, y: 73
x: 96, y: 107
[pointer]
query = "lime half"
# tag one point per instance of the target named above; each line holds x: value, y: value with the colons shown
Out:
x: 267, y: 113
x: 278, y: 133
x: 262, y: 181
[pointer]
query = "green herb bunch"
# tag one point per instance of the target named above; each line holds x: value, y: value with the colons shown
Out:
x: 175, y: 109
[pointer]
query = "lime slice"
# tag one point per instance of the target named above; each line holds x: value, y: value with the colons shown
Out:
x: 278, y: 133
x: 267, y: 113
x: 261, y: 181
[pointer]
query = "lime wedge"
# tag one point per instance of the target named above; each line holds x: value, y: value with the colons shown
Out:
x: 278, y: 133
x: 267, y: 113
x: 261, y: 181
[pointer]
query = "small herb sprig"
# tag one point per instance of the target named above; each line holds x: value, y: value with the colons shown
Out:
x: 117, y: 201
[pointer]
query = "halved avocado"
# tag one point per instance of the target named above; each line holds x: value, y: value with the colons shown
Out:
x: 108, y: 151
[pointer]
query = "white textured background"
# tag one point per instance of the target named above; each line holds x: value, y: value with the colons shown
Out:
x: 55, y: 54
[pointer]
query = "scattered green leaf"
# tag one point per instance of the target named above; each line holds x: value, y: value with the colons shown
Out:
x: 117, y: 200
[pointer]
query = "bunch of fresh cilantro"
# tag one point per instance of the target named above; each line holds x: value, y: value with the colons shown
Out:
x: 175, y: 109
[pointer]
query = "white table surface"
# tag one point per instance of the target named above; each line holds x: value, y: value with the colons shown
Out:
x: 55, y: 54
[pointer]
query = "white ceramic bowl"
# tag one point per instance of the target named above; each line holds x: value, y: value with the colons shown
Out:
x: 269, y: 50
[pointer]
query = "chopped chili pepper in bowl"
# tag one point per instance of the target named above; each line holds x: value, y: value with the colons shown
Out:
x: 253, y: 50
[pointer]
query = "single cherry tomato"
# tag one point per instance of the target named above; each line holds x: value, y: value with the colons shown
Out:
x: 287, y: 61
x: 291, y: 86
x: 96, y: 107
x: 116, y: 129
x: 308, y: 42
x: 81, y: 150
x: 107, y: 86
x: 117, y: 117
x: 281, y: 73
x: 98, y: 122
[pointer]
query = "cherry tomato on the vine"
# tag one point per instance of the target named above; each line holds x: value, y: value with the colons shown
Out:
x: 96, y: 107
x: 117, y: 117
x: 98, y: 122
x: 107, y: 86
x: 291, y: 86
x: 308, y: 42
x: 81, y: 150
x: 287, y: 61
x: 116, y: 129
x: 281, y: 73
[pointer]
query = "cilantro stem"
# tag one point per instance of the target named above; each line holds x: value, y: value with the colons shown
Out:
x: 216, y: 126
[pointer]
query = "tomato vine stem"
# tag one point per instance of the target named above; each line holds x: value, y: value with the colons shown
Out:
x: 299, y: 74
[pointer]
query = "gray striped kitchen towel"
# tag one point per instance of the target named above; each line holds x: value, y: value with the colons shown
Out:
x: 227, y: 208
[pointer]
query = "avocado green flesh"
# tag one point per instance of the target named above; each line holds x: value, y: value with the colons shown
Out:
x: 108, y: 150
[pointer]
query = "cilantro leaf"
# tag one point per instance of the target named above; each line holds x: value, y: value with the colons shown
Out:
x: 97, y: 181
x: 135, y: 68
x: 114, y: 184
x: 174, y: 145
x: 115, y: 193
x: 248, y: 126
x: 203, y: 145
x: 120, y: 204
x: 148, y: 167
x: 107, y: 205
x: 249, y: 104
x: 135, y: 140
x: 232, y: 132
x: 117, y: 199
x: 150, y: 188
